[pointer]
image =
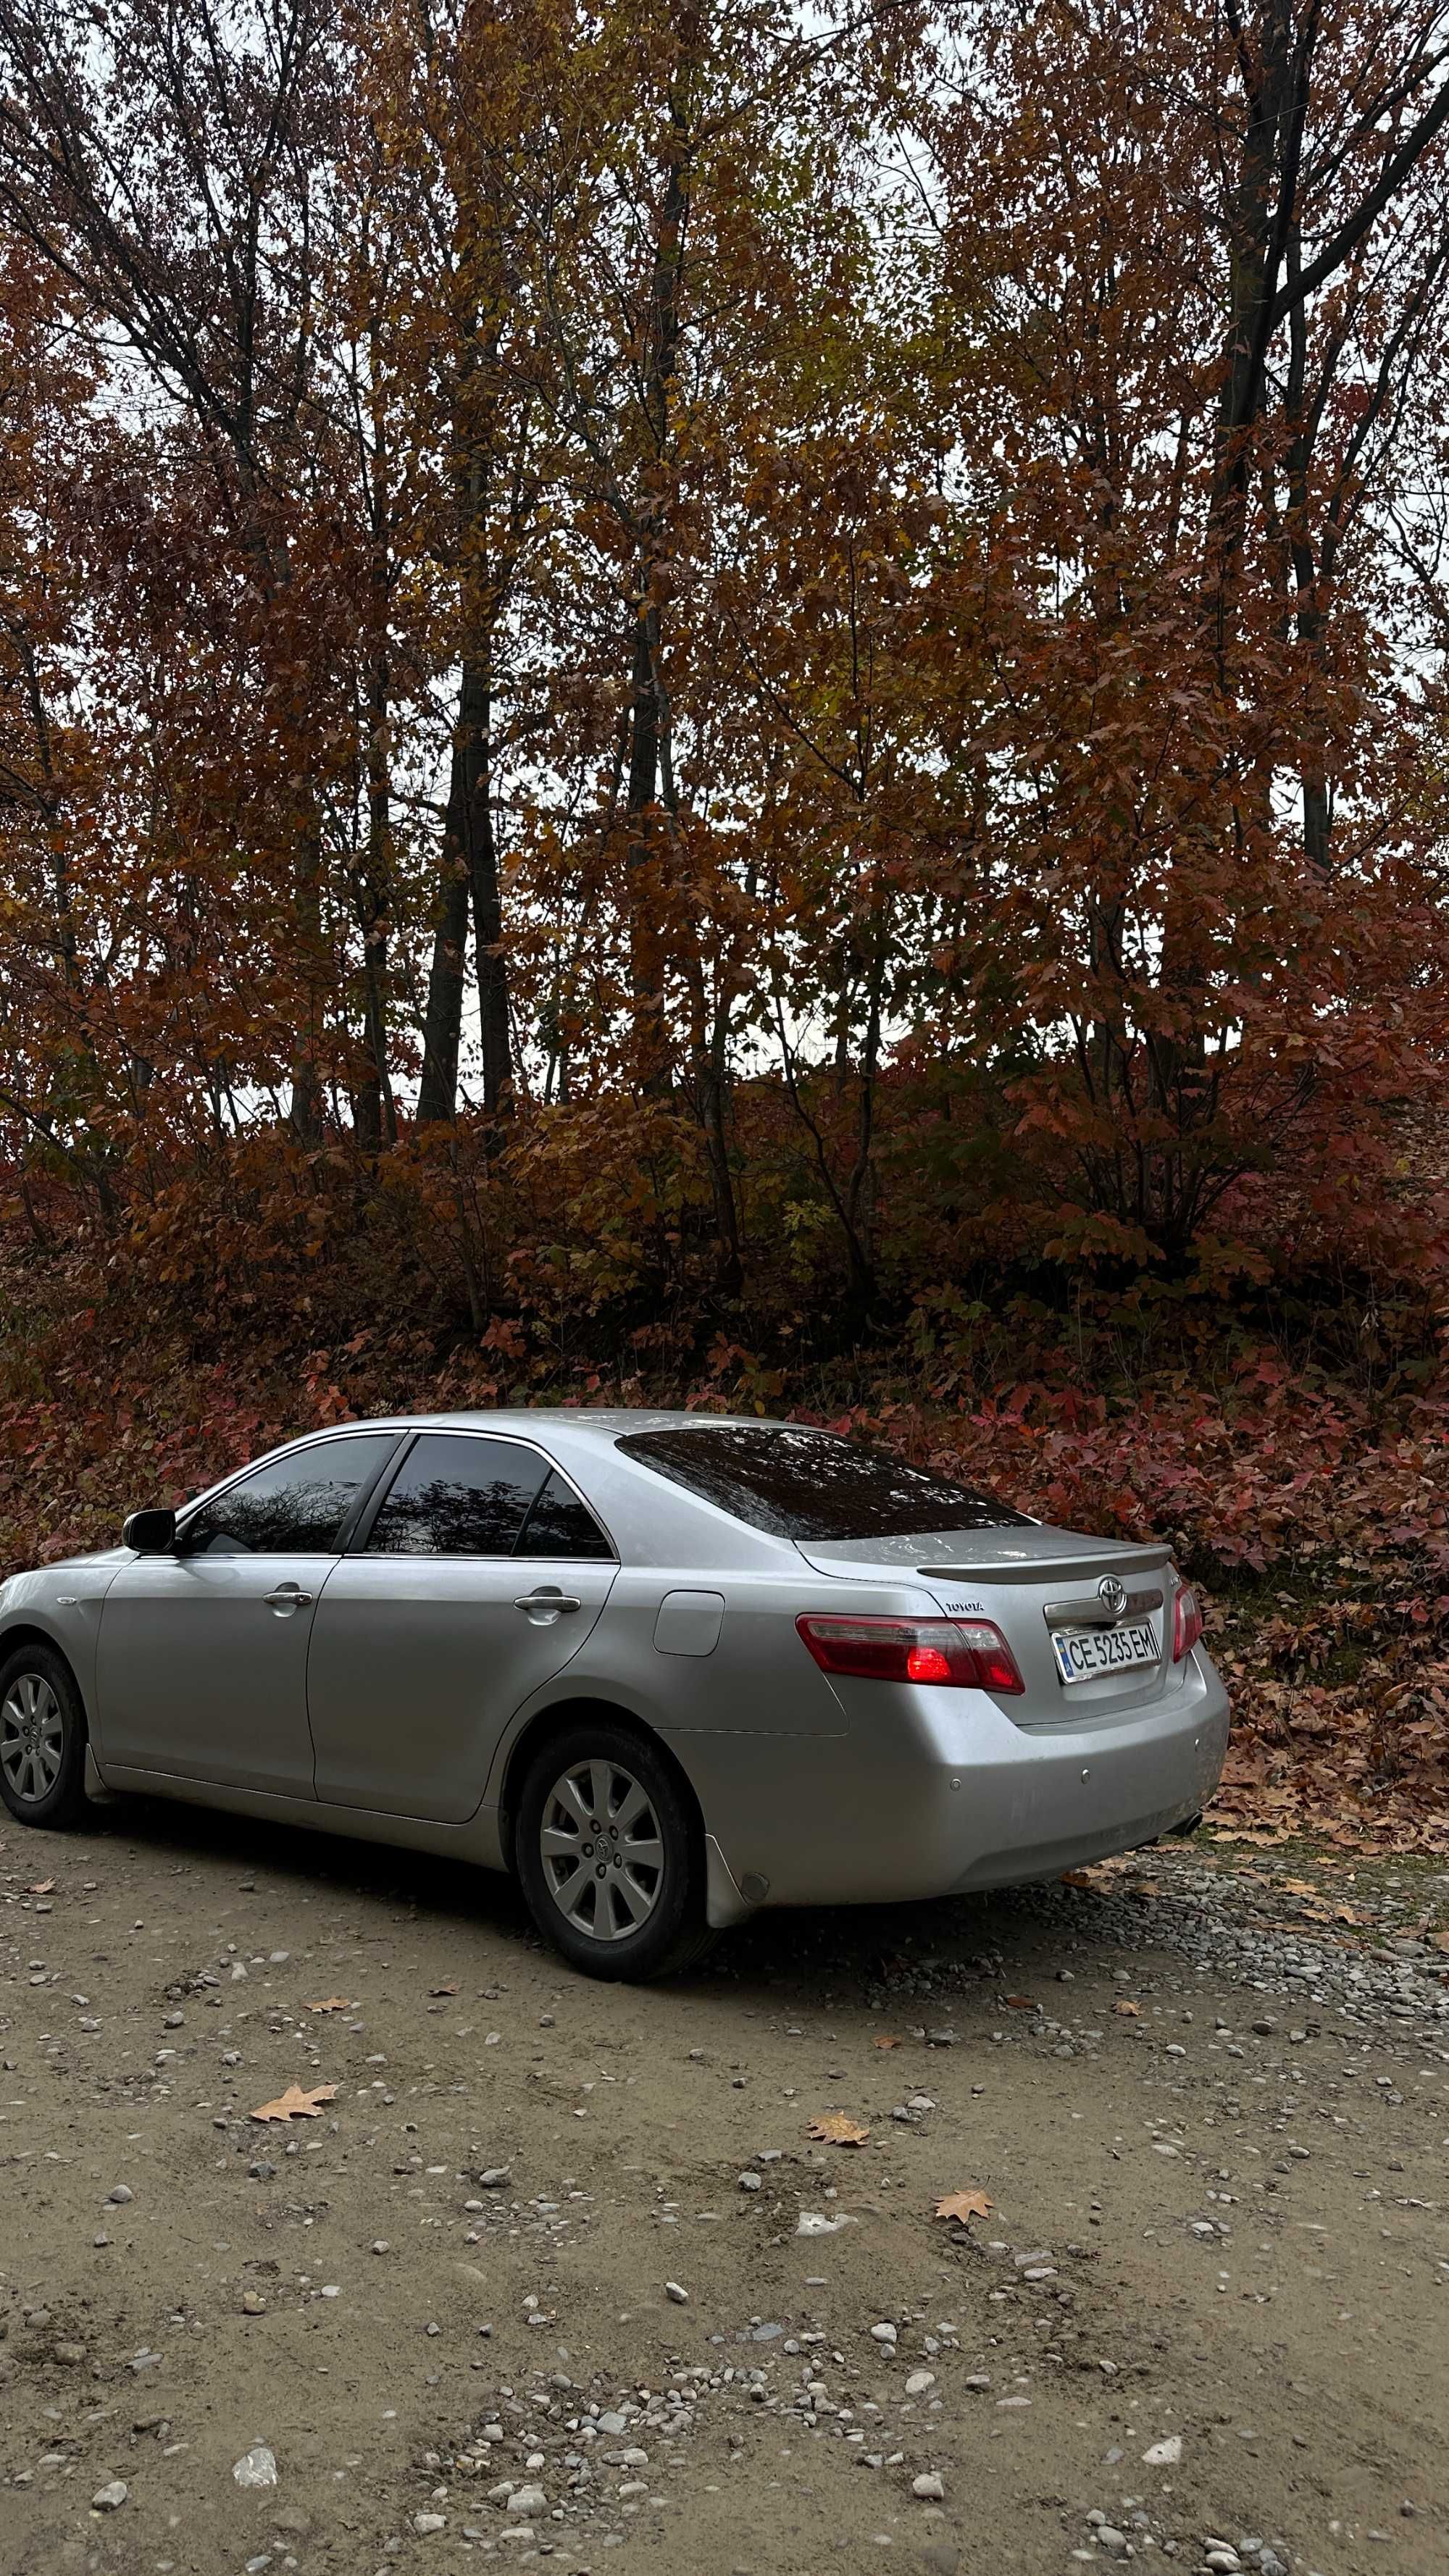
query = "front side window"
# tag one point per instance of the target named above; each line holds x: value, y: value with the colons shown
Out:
x: 800, y: 1483
x: 294, y: 1506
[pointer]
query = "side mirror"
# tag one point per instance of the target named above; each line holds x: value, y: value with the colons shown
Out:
x: 151, y: 1533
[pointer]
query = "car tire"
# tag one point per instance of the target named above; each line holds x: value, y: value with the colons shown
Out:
x: 614, y: 1879
x: 42, y: 1739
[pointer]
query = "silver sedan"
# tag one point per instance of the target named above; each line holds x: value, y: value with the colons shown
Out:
x: 668, y: 1668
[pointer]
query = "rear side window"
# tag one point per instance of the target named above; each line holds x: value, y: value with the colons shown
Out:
x: 457, y: 1494
x: 560, y: 1525
x: 800, y: 1483
x: 296, y: 1506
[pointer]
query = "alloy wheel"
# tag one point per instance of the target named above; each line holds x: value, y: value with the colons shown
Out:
x: 32, y: 1738
x: 602, y: 1850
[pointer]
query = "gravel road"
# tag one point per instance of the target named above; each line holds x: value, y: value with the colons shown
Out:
x: 556, y: 2271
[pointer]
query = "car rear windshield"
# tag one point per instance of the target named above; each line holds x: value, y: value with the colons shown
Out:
x: 806, y: 1484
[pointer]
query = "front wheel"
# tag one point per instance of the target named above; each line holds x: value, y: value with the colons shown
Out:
x: 609, y: 1854
x: 42, y: 1738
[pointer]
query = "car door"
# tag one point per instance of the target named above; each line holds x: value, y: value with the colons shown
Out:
x: 202, y: 1659
x: 480, y: 1575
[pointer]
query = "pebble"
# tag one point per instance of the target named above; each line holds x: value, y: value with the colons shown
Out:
x: 750, y: 2182
x: 883, y: 2334
x: 673, y: 2291
x: 256, y: 2467
x: 121, y: 2194
x: 919, y: 2382
x: 528, y: 2500
x: 109, y: 2499
x: 930, y: 2488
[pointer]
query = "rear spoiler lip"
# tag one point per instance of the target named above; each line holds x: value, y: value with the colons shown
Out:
x: 1071, y: 1569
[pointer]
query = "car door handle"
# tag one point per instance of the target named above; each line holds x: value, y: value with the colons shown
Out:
x: 546, y: 1604
x: 287, y: 1597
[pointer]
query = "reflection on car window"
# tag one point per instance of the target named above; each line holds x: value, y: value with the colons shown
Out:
x: 458, y: 1495
x: 560, y: 1525
x: 295, y: 1506
x: 797, y: 1482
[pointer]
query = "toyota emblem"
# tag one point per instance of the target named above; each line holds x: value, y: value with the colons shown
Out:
x: 1112, y: 1593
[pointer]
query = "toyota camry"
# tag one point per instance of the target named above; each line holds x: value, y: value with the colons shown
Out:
x: 667, y: 1668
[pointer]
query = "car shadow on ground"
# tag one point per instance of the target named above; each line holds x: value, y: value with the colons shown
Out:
x: 832, y: 1953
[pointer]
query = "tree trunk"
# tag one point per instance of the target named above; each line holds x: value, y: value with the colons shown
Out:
x: 646, y: 924
x: 475, y: 715
x: 443, y: 1010
x: 646, y: 929
x: 376, y: 1109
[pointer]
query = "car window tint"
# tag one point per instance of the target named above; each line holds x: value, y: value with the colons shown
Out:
x: 294, y: 1506
x: 560, y: 1525
x: 457, y: 1495
x: 801, y: 1483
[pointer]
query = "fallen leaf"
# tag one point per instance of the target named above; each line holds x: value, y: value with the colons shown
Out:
x: 1021, y: 2003
x: 885, y: 2043
x: 1440, y: 1940
x: 333, y: 2003
x: 837, y: 2129
x: 1299, y: 1887
x: 442, y: 1990
x: 294, y: 2104
x: 1077, y: 1878
x: 964, y: 2205
x: 1132, y: 2011
x: 42, y: 1887
x: 1144, y: 1889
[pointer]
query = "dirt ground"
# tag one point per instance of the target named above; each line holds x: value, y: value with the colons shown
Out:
x: 1204, y: 2318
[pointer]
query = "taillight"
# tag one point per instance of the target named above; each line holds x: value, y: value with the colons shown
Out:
x: 959, y: 1654
x: 1186, y: 1623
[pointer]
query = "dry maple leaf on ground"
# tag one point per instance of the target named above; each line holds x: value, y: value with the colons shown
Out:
x: 442, y: 1990
x: 1123, y: 2006
x: 837, y: 2129
x: 885, y: 2043
x: 42, y: 1887
x: 332, y: 2003
x: 1021, y: 2003
x: 964, y: 2205
x: 294, y: 2104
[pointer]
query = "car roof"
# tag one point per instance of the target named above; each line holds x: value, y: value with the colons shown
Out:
x: 600, y: 1422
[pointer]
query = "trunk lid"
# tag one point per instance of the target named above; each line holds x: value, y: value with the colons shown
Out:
x: 1031, y: 1582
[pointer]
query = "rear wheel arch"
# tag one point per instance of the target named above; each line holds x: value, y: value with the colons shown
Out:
x: 555, y: 1720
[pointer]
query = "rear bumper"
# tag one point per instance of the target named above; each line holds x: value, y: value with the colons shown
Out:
x: 931, y: 1793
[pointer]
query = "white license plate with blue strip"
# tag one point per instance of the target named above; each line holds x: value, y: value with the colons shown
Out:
x: 1085, y: 1654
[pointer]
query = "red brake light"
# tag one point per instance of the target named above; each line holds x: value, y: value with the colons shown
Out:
x: 1186, y: 1622
x: 961, y: 1654
x: 927, y: 1664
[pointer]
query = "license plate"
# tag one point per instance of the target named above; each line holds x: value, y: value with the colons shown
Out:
x: 1084, y: 1653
